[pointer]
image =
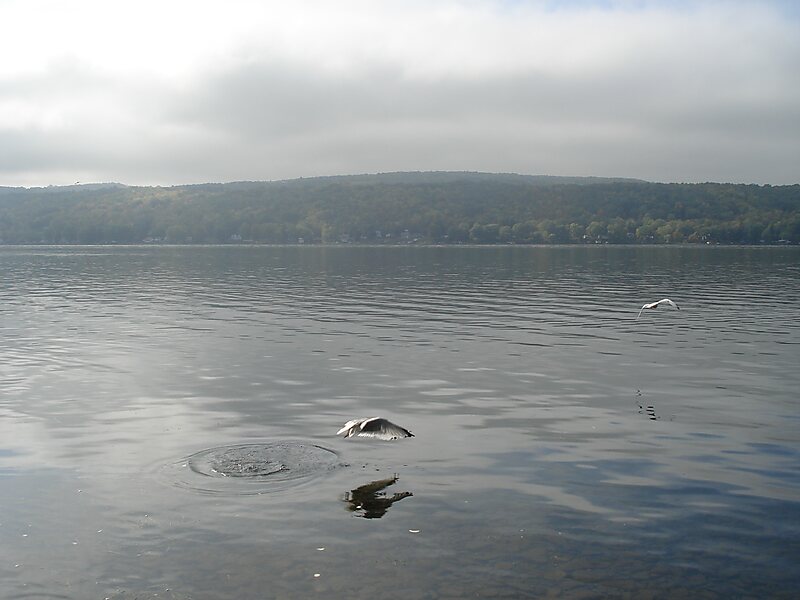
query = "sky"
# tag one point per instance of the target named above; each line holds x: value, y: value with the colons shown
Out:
x: 168, y: 92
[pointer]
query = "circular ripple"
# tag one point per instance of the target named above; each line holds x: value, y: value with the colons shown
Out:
x: 252, y: 468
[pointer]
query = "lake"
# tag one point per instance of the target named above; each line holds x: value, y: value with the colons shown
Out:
x: 168, y: 420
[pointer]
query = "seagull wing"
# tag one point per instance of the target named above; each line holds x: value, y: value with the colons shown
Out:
x: 657, y: 304
x: 382, y: 429
x: 351, y: 427
x: 670, y: 302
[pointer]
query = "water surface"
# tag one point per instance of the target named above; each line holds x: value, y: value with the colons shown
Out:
x: 563, y: 447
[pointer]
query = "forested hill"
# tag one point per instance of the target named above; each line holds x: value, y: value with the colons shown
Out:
x: 436, y: 207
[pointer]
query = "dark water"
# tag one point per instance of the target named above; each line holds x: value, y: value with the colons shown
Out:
x: 167, y: 422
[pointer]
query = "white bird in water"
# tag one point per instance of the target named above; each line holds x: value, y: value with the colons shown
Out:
x: 376, y: 427
x: 657, y: 304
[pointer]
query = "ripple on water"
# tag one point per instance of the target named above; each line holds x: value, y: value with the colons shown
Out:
x: 250, y: 469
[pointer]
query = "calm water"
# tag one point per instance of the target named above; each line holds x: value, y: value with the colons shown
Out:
x: 563, y: 448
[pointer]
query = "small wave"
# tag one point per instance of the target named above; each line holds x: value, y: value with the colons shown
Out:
x: 250, y: 469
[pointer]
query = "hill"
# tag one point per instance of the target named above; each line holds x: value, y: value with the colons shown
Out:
x: 432, y: 207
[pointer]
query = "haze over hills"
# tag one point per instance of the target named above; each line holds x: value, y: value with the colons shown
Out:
x: 404, y: 207
x: 431, y: 177
x: 399, y: 177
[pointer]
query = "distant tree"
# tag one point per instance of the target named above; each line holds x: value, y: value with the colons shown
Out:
x: 576, y: 231
x: 617, y: 231
x: 596, y: 230
x: 522, y: 233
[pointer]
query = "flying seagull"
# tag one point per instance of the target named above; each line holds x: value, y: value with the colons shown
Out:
x: 657, y: 304
x: 374, y: 427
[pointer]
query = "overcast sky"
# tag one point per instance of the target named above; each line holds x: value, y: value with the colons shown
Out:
x: 170, y: 91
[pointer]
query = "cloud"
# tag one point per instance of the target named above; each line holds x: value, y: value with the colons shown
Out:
x: 200, y: 91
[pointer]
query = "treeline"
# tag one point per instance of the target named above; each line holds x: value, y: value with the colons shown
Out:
x: 442, y: 208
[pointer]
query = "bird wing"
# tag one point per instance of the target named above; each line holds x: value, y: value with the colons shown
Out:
x: 657, y: 304
x: 350, y: 425
x: 382, y: 429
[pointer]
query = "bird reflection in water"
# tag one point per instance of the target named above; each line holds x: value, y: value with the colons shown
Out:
x: 371, y: 499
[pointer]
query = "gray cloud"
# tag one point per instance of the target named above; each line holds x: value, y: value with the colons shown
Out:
x: 658, y: 93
